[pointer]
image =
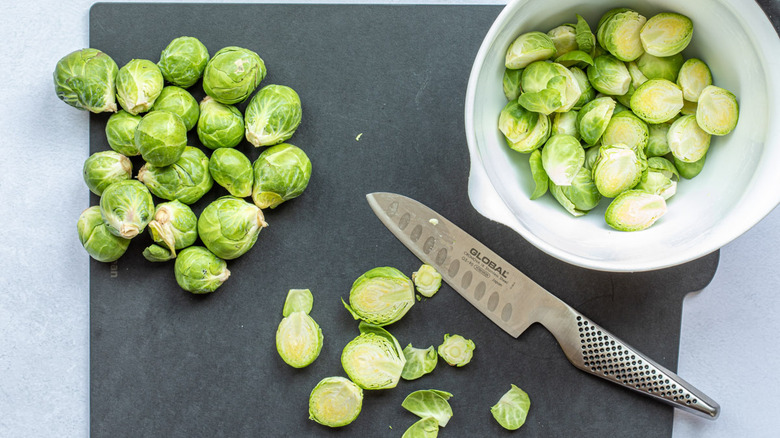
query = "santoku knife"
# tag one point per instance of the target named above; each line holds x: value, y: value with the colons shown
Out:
x: 514, y: 302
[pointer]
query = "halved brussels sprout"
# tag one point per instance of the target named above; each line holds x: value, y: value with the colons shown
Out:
x: 512, y: 408
x: 657, y: 142
x: 120, y: 133
x: 229, y: 226
x: 617, y: 169
x: 335, y: 402
x: 628, y: 129
x: 541, y: 180
x: 272, y: 115
x: 562, y: 158
x: 85, y: 79
x: 157, y: 254
x: 161, y: 137
x: 187, y: 179
x: 527, y: 48
x: 563, y: 38
x: 174, y: 226
x: 232, y: 170
x: 620, y: 35
x: 609, y: 75
x: 634, y: 210
x: 593, y: 118
x: 95, y: 237
x: 565, y: 123
x: 419, y: 362
x: 431, y: 403
x: 138, y: 83
x: 180, y: 102
x: 580, y: 196
x: 199, y: 271
x: 182, y: 62
x: 653, y: 67
x: 219, y: 125
x: 381, y: 296
x: 657, y: 101
x: 601, y: 26
x: 374, y: 359
x: 587, y: 91
x: 427, y: 280
x: 548, y: 87
x: 298, y: 338
x: 689, y: 170
x: 693, y: 77
x: 666, y: 34
x: 104, y: 168
x: 281, y: 173
x: 511, y: 83
x: 126, y: 207
x: 426, y: 427
x: 233, y: 74
x: 456, y: 350
x: 718, y: 111
x: 524, y: 130
x: 687, y: 141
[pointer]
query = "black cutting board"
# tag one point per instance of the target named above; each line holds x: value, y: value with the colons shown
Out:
x: 383, y: 89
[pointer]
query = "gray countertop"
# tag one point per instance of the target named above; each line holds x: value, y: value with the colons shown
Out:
x: 728, y: 332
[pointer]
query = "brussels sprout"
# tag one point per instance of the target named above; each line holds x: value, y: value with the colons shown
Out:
x: 657, y: 143
x: 419, y: 362
x: 637, y: 78
x: 564, y: 39
x: 617, y: 169
x: 429, y: 403
x: 161, y: 137
x: 718, y: 111
x: 427, y: 280
x: 182, y: 62
x: 609, y: 76
x: 628, y: 129
x: 687, y: 141
x: 548, y: 87
x: 593, y: 118
x: 512, y: 408
x: 199, y: 271
x: 219, y: 125
x: 126, y: 207
x: 232, y: 170
x: 666, y: 34
x: 591, y: 155
x: 620, y: 35
x: 426, y: 427
x: 281, y: 173
x: 634, y: 210
x: 653, y: 67
x: 174, y: 225
x: 586, y: 89
x: 298, y: 338
x: 180, y: 102
x: 584, y: 37
x: 456, y: 350
x: 580, y: 196
x: 657, y: 101
x: 689, y: 170
x: 693, y: 77
x: 527, y: 48
x: 523, y: 130
x: 95, y: 237
x: 187, y: 180
x: 120, y: 132
x: 575, y: 58
x: 85, y: 79
x: 511, y: 83
x: 601, y: 26
x: 104, y: 168
x: 156, y: 253
x: 233, y: 74
x: 335, y: 402
x: 565, y: 123
x: 660, y: 178
x: 272, y: 115
x: 562, y: 158
x: 374, y: 359
x: 229, y: 226
x: 380, y: 296
x: 138, y: 83
x: 541, y: 180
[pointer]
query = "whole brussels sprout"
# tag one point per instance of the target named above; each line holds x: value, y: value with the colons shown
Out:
x: 219, y: 125
x: 335, y: 402
x: 593, y: 118
x: 232, y: 75
x: 281, y: 173
x: 104, y: 168
x: 374, y: 359
x: 634, y: 210
x: 174, y: 225
x: 180, y: 102
x: 120, y: 132
x: 199, y: 271
x: 138, y: 83
x: 523, y: 130
x: 232, y: 170
x: 272, y: 115
x: 161, y: 137
x: 564, y: 39
x: 95, y: 237
x: 580, y: 196
x: 562, y: 158
x: 693, y: 77
x: 653, y: 67
x: 718, y: 111
x: 86, y: 79
x: 298, y: 337
x: 381, y: 296
x: 456, y: 350
x: 617, y: 169
x: 229, y: 226
x: 156, y: 253
x: 126, y: 207
x: 511, y: 83
x: 182, y: 62
x: 628, y: 129
x: 620, y: 35
x: 687, y: 141
x: 666, y: 34
x: 187, y: 180
x: 527, y: 48
x: 608, y: 75
x: 657, y: 101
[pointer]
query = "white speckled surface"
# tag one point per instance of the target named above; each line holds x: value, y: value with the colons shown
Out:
x: 729, y: 334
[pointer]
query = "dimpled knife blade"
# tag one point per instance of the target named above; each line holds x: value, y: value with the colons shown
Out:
x: 514, y: 302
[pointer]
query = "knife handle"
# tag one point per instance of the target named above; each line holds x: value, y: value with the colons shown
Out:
x: 596, y: 351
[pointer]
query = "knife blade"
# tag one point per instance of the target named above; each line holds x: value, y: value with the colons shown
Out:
x: 513, y: 301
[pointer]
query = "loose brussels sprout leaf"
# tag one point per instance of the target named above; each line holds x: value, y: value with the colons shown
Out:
x: 586, y: 41
x: 527, y: 48
x: 272, y: 115
x: 232, y: 170
x: 95, y: 237
x: 628, y: 129
x: 199, y: 271
x: 281, y: 173
x: 232, y: 75
x: 593, y: 118
x: 666, y: 34
x: 617, y: 169
x: 689, y: 170
x: 609, y: 76
x: 512, y: 408
x: 718, y: 111
x: 456, y: 350
x: 298, y: 340
x: 120, y: 133
x: 298, y: 300
x: 126, y: 207
x: 138, y: 84
x: 335, y: 402
x: 586, y: 89
x: 182, y: 62
x: 541, y: 180
x: 180, y: 102
x: 620, y: 35
x: 187, y: 179
x: 85, y: 79
x: 219, y: 125
x: 229, y: 226
x: 653, y: 67
x: 374, y: 359
x: 580, y: 196
x: 156, y: 253
x: 104, y: 168
x: 381, y: 296
x: 549, y: 86
x: 562, y: 158
x: 419, y: 362
x: 427, y: 280
x: 428, y: 403
x: 693, y: 77
x: 657, y: 143
x: 161, y: 137
x: 687, y: 141
x: 511, y: 83
x: 426, y: 427
x: 563, y: 38
x: 576, y: 58
x: 565, y: 123
x: 661, y: 164
x: 657, y: 101
x: 634, y: 210
x: 174, y: 225
x: 544, y: 102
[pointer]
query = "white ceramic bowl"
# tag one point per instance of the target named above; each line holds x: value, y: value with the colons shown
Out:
x: 739, y: 185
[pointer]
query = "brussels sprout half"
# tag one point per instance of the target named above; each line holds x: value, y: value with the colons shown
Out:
x: 456, y: 350
x: 617, y: 169
x: 628, y: 129
x: 593, y: 118
x: 374, y: 359
x: 527, y: 48
x: 104, y: 168
x: 138, y: 84
x: 609, y: 75
x: 564, y: 38
x: 580, y: 196
x: 381, y: 296
x: 335, y: 402
x: 199, y: 271
x: 512, y: 408
x: 621, y: 35
x: 298, y: 339
x: 95, y: 237
x: 187, y: 179
x: 666, y: 34
x: 229, y: 226
x: 126, y: 207
x: 85, y: 79
x: 693, y: 77
x: 562, y: 158
x: 281, y: 173
x: 687, y: 141
x: 657, y: 101
x: 120, y: 132
x: 232, y: 75
x: 161, y: 137
x: 219, y: 125
x: 182, y: 62
x: 634, y: 210
x: 272, y: 115
x: 718, y: 111
x: 523, y: 130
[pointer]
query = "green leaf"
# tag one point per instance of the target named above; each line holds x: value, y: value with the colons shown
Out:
x: 512, y: 409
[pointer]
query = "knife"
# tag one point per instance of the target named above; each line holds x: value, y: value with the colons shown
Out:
x: 514, y: 302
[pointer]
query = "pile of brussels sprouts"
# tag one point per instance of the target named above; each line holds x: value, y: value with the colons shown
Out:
x: 620, y: 114
x: 152, y: 120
